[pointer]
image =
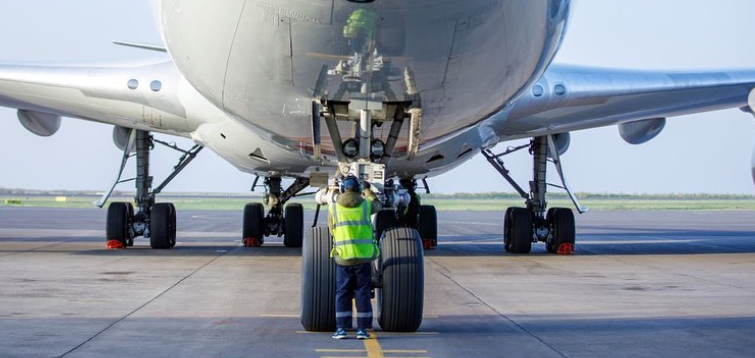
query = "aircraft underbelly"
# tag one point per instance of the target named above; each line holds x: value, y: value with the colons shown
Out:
x: 263, y: 62
x: 260, y: 61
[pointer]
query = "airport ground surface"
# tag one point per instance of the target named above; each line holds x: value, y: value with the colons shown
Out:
x: 642, y: 284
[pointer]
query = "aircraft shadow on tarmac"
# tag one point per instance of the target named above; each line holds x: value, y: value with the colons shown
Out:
x: 645, y: 242
x: 626, y: 242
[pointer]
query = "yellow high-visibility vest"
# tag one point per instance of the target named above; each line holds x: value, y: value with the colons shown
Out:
x: 353, y: 236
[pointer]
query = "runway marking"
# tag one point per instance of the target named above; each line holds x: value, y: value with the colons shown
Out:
x: 373, y: 349
x: 393, y: 351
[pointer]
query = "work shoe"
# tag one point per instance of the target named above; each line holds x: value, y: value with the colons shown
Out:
x: 340, y: 334
x: 362, y: 334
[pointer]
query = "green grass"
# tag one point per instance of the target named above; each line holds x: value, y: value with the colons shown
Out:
x: 461, y: 202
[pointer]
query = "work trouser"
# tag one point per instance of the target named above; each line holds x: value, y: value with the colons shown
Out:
x: 353, y: 281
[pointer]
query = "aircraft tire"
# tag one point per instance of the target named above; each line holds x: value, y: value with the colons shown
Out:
x: 318, y: 282
x: 428, y: 225
x: 118, y: 221
x: 521, y: 231
x: 173, y: 224
x: 293, y: 218
x: 401, y: 299
x: 564, y: 232
x: 162, y: 226
x: 549, y: 218
x: 507, y: 230
x: 384, y: 220
x: 253, y: 222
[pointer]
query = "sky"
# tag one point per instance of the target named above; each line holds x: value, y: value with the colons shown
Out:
x: 704, y: 153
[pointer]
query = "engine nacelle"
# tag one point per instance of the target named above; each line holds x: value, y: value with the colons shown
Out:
x: 639, y: 132
x: 41, y: 124
x: 562, y: 141
x: 122, y: 137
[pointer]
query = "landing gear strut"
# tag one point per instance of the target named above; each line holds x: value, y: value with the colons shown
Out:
x: 523, y: 226
x: 156, y: 221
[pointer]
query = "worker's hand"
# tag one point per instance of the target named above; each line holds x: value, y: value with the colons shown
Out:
x: 367, y: 192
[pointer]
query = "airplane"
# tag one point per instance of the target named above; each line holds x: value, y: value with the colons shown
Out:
x: 391, y: 91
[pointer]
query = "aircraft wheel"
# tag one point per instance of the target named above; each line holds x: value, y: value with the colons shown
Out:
x: 400, y: 300
x: 520, y: 231
x: 507, y: 238
x: 549, y: 218
x: 562, y: 221
x: 173, y: 223
x: 162, y: 226
x: 118, y: 223
x: 253, y: 229
x: 384, y: 220
x: 293, y: 218
x: 428, y: 227
x: 318, y: 282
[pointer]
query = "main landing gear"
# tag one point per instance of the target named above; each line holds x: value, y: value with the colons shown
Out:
x: 523, y: 226
x: 288, y: 223
x: 156, y: 221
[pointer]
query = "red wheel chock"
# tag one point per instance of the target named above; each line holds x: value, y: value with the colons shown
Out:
x: 565, y: 249
x: 429, y: 244
x: 115, y: 245
x: 252, y: 242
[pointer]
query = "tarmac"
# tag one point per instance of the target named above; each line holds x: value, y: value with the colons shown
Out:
x: 641, y: 284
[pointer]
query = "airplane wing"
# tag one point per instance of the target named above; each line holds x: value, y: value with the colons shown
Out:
x: 569, y: 98
x: 140, y: 97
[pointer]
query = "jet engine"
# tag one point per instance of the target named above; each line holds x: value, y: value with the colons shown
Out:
x: 121, y: 137
x: 41, y: 124
x: 639, y: 132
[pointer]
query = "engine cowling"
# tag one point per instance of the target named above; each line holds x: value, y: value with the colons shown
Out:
x: 41, y: 124
x: 122, y: 137
x: 640, y: 132
x: 562, y: 141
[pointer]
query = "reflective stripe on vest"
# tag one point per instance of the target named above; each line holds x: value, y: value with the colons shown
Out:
x: 352, y: 231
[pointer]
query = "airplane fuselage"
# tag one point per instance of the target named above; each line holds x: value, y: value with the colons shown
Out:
x: 262, y: 64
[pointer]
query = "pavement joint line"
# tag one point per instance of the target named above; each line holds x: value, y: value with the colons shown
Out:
x: 11, y: 253
x: 280, y: 315
x: 509, y: 319
x: 142, y: 306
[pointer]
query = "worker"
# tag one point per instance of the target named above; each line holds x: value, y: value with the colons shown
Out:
x: 354, y: 249
x: 360, y: 30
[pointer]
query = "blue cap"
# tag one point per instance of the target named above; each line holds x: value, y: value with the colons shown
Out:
x: 350, y: 182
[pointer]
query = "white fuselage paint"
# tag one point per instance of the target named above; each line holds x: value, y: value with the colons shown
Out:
x: 258, y: 64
